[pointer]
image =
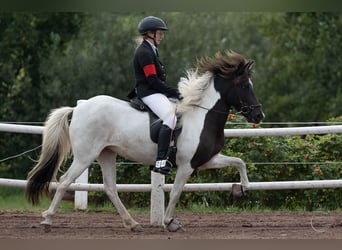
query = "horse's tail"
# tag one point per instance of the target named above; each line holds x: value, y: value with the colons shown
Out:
x: 55, y: 148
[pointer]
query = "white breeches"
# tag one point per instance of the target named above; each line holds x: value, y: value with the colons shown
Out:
x: 162, y: 107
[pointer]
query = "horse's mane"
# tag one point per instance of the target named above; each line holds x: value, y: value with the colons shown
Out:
x: 225, y: 65
x: 197, y: 80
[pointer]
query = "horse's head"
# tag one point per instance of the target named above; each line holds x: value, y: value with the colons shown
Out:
x: 233, y: 81
x: 245, y: 101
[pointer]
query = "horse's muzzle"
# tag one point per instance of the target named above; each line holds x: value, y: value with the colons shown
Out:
x: 256, y: 117
x: 259, y: 117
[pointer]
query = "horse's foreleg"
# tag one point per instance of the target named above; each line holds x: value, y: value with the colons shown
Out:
x: 183, y: 174
x: 221, y: 161
x: 107, y: 161
x: 73, y: 172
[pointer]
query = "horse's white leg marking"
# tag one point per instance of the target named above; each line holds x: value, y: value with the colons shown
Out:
x: 107, y: 161
x: 221, y: 161
x: 77, y: 167
x: 182, y: 175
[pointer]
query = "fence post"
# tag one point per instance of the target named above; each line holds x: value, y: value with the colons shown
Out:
x: 157, y: 199
x: 81, y: 197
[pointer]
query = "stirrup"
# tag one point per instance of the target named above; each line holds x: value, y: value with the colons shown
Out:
x: 163, y: 167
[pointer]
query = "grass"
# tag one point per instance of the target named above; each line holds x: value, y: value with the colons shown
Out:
x: 14, y: 199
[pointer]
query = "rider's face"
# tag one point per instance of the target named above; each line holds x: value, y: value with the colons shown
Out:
x: 158, y: 37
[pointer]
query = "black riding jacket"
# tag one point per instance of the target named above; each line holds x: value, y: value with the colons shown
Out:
x: 150, y: 73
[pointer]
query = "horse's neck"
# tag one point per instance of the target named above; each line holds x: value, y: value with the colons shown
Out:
x: 210, y: 133
x: 204, y: 115
x: 210, y: 97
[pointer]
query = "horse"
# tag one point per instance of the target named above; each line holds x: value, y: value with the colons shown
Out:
x: 103, y: 127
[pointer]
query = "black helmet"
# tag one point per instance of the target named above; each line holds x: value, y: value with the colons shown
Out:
x: 151, y: 23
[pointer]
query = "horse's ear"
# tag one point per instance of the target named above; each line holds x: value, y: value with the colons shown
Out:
x: 246, y: 67
x: 241, y: 69
x: 249, y: 65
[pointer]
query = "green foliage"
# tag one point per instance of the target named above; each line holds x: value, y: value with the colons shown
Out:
x: 97, y: 62
x: 299, y: 69
x: 27, y: 40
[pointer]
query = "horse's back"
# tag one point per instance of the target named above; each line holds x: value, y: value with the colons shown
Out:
x: 103, y: 100
x: 101, y: 105
x: 107, y: 121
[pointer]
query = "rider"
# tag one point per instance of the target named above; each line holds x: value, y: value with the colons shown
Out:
x: 151, y: 88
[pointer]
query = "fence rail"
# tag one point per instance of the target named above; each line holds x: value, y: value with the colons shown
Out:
x: 29, y: 129
x: 189, y: 187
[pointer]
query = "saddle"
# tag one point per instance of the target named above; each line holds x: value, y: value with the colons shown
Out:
x: 155, y: 121
x: 155, y: 125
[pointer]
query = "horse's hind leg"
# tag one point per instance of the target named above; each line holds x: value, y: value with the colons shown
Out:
x: 77, y: 167
x: 107, y: 161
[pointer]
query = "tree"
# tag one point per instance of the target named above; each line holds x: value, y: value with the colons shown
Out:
x: 97, y: 61
x: 27, y: 39
x: 302, y: 80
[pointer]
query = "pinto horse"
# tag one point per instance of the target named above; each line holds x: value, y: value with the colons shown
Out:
x: 100, y: 129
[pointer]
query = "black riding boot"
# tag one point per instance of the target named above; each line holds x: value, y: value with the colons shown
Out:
x: 163, y: 165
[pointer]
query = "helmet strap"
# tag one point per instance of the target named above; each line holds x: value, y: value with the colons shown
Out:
x: 153, y: 38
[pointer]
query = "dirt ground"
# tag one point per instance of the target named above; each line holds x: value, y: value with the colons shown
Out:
x: 223, y: 225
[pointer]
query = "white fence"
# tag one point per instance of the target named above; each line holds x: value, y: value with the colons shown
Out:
x: 158, y: 186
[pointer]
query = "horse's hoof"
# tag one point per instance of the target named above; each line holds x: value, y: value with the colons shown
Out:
x: 137, y: 228
x: 175, y: 226
x: 237, y: 191
x: 46, y: 227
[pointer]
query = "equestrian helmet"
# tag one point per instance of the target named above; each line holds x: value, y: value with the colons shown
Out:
x: 151, y: 23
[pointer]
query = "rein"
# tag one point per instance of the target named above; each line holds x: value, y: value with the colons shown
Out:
x: 245, y: 110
